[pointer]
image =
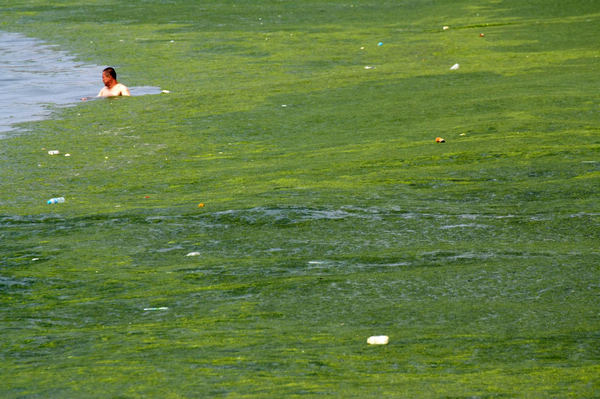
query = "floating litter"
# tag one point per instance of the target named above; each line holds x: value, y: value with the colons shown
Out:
x: 53, y: 152
x: 193, y: 254
x: 378, y: 340
x: 201, y: 205
x: 445, y: 27
x: 315, y: 262
x: 481, y: 34
x: 57, y: 200
x: 369, y: 67
x: 161, y: 308
x: 454, y: 67
x: 439, y: 140
x: 380, y: 44
x: 165, y: 91
x: 67, y: 155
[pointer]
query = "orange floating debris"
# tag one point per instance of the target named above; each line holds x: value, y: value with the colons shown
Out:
x: 201, y: 205
x: 439, y: 140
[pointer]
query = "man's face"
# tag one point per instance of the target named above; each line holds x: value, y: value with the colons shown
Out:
x: 106, y: 78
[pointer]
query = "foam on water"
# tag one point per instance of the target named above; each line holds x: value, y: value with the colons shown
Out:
x: 37, y: 76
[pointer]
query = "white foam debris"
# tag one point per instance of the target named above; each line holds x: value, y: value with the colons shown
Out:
x: 454, y: 67
x: 53, y: 152
x: 193, y: 254
x: 378, y: 340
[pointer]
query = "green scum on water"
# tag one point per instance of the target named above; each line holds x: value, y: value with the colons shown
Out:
x: 331, y: 214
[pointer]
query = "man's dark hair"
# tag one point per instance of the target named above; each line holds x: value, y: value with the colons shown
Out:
x: 111, y: 71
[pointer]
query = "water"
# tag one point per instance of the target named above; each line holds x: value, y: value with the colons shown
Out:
x: 325, y: 222
x: 36, y: 76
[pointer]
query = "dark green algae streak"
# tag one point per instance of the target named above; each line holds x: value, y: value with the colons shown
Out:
x: 330, y: 212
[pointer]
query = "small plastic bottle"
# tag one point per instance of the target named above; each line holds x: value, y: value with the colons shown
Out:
x: 58, y: 200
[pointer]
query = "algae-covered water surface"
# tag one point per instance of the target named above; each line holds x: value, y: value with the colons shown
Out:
x: 244, y: 233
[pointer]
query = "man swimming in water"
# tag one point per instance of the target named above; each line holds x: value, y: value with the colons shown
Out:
x: 112, y: 88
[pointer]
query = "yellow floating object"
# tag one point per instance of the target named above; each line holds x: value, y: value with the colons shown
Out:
x: 378, y: 340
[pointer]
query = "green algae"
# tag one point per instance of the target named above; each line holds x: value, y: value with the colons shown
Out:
x: 330, y: 212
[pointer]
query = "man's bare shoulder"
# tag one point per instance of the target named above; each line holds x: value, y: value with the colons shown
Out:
x: 123, y: 90
x: 104, y: 92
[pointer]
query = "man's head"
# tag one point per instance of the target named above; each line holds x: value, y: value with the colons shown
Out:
x: 109, y: 76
